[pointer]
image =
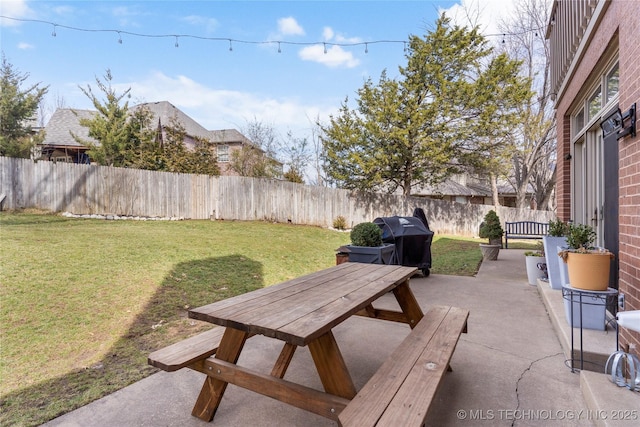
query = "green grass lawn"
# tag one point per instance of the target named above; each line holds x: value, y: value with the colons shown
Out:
x: 83, y: 302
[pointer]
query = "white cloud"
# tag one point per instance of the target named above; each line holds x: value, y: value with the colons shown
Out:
x: 289, y: 27
x: 487, y: 14
x: 25, y: 46
x: 327, y: 33
x: 14, y: 9
x: 330, y: 55
x: 223, y: 109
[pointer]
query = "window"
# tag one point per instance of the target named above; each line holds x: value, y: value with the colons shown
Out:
x: 578, y: 122
x: 603, y: 96
x: 613, y: 79
x: 595, y: 103
x: 223, y: 153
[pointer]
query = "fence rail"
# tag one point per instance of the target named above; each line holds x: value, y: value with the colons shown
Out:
x: 90, y: 189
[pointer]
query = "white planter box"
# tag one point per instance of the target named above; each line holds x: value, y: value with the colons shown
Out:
x: 533, y: 273
x: 554, y: 262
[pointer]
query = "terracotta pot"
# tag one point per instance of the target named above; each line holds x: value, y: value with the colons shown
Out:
x: 589, y: 271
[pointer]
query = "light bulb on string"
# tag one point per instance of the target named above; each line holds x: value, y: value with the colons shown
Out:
x: 119, y: 38
x: 366, y: 48
x: 325, y: 48
x: 230, y: 46
x: 176, y: 45
x: 503, y: 38
x: 53, y: 33
x: 279, y: 50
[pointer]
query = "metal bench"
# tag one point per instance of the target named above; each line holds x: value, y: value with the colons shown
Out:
x: 524, y: 230
x: 402, y: 389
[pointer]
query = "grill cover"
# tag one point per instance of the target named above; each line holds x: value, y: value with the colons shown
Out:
x: 412, y: 238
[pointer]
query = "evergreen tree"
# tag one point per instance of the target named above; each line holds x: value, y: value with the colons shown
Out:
x: 418, y: 129
x: 110, y: 126
x: 17, y: 107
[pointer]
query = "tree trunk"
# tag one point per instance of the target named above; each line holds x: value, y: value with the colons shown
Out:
x: 494, y: 189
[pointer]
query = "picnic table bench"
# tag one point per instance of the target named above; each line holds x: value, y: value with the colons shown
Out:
x: 303, y: 312
x: 524, y: 230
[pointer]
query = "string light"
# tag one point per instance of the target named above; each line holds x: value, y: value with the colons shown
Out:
x: 280, y: 42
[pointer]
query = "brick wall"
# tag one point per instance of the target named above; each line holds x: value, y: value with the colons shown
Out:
x: 630, y: 167
x: 618, y: 26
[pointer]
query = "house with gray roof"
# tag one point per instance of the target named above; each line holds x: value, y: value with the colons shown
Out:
x: 60, y: 145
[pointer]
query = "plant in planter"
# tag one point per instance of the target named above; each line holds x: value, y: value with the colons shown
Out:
x: 588, y: 267
x: 367, y: 246
x: 556, y: 238
x: 536, y: 265
x: 491, y: 229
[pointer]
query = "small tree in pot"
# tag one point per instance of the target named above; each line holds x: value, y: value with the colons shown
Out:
x: 367, y: 246
x: 588, y: 267
x: 491, y: 229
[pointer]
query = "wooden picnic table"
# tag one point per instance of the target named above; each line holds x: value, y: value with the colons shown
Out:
x: 300, y: 312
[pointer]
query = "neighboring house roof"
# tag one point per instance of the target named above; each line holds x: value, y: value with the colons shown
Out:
x: 67, y: 120
x: 225, y: 136
x: 64, y: 122
x: 451, y: 187
x: 448, y: 187
x: 166, y: 111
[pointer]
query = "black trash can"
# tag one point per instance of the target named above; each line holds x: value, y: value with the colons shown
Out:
x: 412, y: 237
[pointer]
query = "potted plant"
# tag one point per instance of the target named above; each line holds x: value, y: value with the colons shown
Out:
x: 554, y: 242
x: 588, y: 267
x: 367, y: 246
x: 535, y: 261
x: 491, y: 229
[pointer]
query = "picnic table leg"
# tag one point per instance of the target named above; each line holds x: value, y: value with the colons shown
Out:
x: 280, y: 368
x: 331, y: 368
x: 408, y: 303
x: 213, y: 389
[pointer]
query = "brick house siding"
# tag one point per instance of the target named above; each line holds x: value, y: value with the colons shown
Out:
x: 617, y: 28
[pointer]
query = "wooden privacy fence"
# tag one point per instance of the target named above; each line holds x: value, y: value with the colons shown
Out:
x: 90, y: 189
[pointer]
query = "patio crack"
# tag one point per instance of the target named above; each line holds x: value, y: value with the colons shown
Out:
x: 513, y: 423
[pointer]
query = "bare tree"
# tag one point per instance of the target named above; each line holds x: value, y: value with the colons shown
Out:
x: 534, y: 161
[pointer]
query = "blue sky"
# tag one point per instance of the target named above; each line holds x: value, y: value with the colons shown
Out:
x: 219, y: 88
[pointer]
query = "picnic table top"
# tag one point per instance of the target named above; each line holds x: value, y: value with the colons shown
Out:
x: 302, y: 309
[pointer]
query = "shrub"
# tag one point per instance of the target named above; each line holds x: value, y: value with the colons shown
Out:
x: 340, y: 223
x: 580, y: 236
x: 558, y: 228
x: 490, y: 227
x: 366, y: 234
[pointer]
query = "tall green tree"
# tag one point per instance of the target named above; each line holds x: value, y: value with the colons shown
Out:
x: 18, y: 108
x: 423, y: 126
x: 110, y: 126
x: 404, y: 132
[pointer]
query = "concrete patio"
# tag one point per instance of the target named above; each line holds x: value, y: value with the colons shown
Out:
x: 509, y: 369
